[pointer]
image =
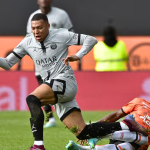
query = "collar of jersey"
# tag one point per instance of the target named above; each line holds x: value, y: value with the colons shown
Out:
x: 46, y: 40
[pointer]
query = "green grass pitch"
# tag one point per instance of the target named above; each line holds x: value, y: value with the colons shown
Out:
x: 15, y: 132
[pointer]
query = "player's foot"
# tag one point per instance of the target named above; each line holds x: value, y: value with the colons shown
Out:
x: 50, y: 124
x: 92, y: 142
x: 73, y: 146
x: 133, y: 125
x: 37, y: 147
x: 47, y: 116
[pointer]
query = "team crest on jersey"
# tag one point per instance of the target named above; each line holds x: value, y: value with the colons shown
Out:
x: 34, y: 50
x: 53, y: 46
x: 75, y: 36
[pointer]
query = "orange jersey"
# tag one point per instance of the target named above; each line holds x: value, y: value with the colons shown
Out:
x: 140, y: 109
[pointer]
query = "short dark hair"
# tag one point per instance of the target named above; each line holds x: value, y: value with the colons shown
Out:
x: 39, y: 16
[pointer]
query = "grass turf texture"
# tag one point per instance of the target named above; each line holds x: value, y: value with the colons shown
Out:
x: 15, y: 131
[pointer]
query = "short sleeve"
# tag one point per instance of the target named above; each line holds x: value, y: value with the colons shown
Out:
x: 129, y: 107
x: 20, y: 51
x: 69, y: 38
x: 64, y: 36
x: 17, y: 54
x: 76, y: 39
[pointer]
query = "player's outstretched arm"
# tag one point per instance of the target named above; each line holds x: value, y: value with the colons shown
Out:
x: 113, y: 116
x: 87, y: 42
x: 4, y: 63
x: 8, y: 62
x: 15, y: 56
x: 70, y: 38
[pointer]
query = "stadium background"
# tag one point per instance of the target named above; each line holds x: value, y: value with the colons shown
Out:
x: 97, y: 91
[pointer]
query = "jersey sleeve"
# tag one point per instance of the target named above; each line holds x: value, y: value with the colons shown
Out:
x: 20, y: 50
x: 127, y: 109
x: 86, y: 41
x: 67, y: 22
x: 17, y: 54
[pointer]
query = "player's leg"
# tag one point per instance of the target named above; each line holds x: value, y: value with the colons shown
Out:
x: 66, y: 108
x: 50, y: 120
x: 126, y: 146
x: 75, y: 122
x: 70, y: 114
x: 128, y: 136
x: 51, y: 92
x: 40, y: 96
x: 62, y: 91
x: 73, y: 146
x: 92, y: 142
x: 134, y: 145
x: 133, y: 125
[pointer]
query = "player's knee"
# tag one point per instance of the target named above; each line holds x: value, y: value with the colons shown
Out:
x: 32, y: 99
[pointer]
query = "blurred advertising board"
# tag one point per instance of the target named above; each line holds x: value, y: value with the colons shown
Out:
x: 96, y: 91
x: 138, y: 48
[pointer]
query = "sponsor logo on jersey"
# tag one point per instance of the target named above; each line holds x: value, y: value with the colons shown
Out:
x: 45, y: 62
x: 75, y: 36
x: 53, y: 46
x: 146, y: 106
x: 146, y: 119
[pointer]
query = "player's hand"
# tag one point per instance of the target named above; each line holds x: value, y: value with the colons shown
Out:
x: 70, y: 58
x: 82, y: 142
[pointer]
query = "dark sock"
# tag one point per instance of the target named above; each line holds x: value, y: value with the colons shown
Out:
x: 37, y: 117
x: 96, y: 130
x: 48, y: 109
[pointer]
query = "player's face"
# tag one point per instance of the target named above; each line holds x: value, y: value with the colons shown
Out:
x: 44, y: 3
x: 40, y: 29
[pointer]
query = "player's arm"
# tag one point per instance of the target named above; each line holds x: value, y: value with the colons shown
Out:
x: 9, y: 61
x: 125, y: 110
x: 113, y: 116
x: 4, y: 63
x: 17, y: 54
x: 87, y: 43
